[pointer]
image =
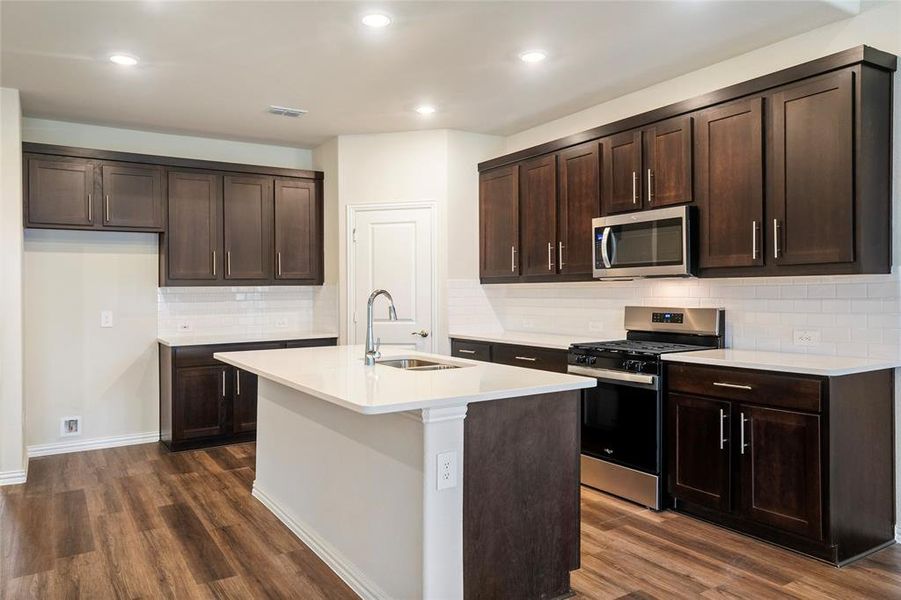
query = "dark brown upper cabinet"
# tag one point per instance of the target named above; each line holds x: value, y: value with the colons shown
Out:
x: 247, y: 227
x: 812, y: 172
x: 60, y: 193
x: 668, y: 162
x: 132, y: 197
x: 538, y: 216
x: 298, y: 231
x: 730, y: 183
x: 578, y: 201
x: 193, y: 240
x: 621, y: 191
x: 499, y: 224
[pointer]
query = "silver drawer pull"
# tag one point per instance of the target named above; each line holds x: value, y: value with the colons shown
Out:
x: 223, y: 383
x: 743, y: 443
x: 732, y: 385
x: 723, y: 439
x: 462, y: 351
x: 528, y: 358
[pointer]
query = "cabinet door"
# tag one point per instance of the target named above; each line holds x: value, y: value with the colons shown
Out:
x: 193, y: 243
x: 132, y: 196
x: 621, y: 187
x: 499, y: 223
x: 667, y: 159
x: 298, y: 230
x: 201, y: 395
x: 60, y: 192
x: 780, y: 469
x: 247, y: 226
x: 729, y: 143
x: 699, y: 443
x: 244, y: 417
x: 538, y: 216
x: 578, y: 203
x: 812, y: 172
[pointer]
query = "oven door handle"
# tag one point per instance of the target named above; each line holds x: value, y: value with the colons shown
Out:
x: 614, y: 376
x: 605, y: 256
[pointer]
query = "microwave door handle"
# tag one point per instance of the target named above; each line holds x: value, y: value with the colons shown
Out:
x: 604, y: 255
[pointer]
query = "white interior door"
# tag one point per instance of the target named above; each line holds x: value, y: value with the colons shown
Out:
x: 392, y: 248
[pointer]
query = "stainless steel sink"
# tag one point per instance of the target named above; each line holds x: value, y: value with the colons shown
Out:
x: 417, y: 364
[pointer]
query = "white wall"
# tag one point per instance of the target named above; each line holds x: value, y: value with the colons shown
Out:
x: 82, y: 135
x: 109, y: 377
x: 12, y: 412
x: 438, y: 166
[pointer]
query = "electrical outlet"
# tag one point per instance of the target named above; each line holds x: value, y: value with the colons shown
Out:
x: 70, y: 426
x: 595, y: 326
x: 528, y: 323
x: 184, y: 326
x: 281, y: 323
x: 447, y: 470
x: 806, y: 337
x: 106, y: 318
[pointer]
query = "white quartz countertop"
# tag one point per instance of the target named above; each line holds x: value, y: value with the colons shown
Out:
x: 809, y: 364
x: 525, y: 338
x: 337, y: 374
x: 202, y: 339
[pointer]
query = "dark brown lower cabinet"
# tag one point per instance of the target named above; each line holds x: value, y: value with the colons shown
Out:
x: 531, y: 357
x: 802, y: 461
x: 204, y: 402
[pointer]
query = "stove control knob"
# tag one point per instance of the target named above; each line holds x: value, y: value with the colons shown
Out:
x: 581, y: 359
x: 591, y: 359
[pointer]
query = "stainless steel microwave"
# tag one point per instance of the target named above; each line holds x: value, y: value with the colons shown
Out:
x: 650, y: 243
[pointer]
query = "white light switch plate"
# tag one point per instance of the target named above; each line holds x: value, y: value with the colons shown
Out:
x: 806, y: 337
x: 106, y: 318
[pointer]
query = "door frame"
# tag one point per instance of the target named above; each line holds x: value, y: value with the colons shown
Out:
x: 351, y: 213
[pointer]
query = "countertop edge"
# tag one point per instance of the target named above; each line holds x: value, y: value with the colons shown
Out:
x: 876, y: 365
x: 513, y: 339
x: 172, y: 341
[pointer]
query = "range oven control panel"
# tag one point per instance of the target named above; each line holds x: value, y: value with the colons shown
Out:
x: 667, y: 317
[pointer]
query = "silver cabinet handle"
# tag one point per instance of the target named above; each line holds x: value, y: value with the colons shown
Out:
x: 421, y: 333
x: 650, y: 187
x: 223, y: 383
x: 462, y: 351
x: 214, y: 263
x: 736, y: 386
x: 634, y: 187
x: 723, y: 439
x: 550, y: 256
x: 278, y: 263
x: 106, y: 208
x: 238, y: 382
x: 775, y: 238
x: 743, y: 444
x: 90, y: 207
x: 560, y: 255
x: 754, y: 240
x: 527, y: 358
x: 513, y: 259
x: 228, y: 262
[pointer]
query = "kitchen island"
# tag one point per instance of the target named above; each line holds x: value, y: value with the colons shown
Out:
x: 445, y: 483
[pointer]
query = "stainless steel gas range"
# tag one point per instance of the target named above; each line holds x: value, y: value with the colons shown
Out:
x: 623, y: 417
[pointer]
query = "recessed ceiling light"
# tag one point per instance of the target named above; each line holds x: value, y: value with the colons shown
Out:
x: 376, y: 20
x: 533, y: 56
x: 126, y: 60
x: 286, y: 111
x: 425, y: 109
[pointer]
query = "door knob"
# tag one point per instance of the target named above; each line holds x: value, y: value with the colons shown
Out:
x: 421, y: 333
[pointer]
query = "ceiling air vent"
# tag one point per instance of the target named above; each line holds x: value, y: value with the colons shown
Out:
x: 284, y: 111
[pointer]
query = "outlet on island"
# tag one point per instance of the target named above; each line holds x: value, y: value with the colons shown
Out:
x: 447, y: 470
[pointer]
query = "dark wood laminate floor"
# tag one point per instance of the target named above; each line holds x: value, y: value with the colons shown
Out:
x: 138, y: 522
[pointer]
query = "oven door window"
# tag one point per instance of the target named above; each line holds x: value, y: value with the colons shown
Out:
x: 646, y: 244
x: 619, y: 424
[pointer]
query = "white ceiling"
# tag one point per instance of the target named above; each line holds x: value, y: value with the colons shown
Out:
x: 211, y: 68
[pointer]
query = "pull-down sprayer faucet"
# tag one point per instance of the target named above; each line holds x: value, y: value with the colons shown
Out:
x: 372, y: 346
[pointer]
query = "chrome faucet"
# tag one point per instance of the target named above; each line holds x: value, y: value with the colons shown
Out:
x: 372, y: 347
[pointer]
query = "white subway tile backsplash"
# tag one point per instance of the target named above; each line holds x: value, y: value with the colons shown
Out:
x: 856, y: 315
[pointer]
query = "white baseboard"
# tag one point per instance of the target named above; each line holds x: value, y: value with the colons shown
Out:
x: 898, y: 533
x: 93, y: 444
x: 337, y: 562
x: 13, y: 477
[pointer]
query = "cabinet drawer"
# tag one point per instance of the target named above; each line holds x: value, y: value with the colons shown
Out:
x: 530, y: 357
x: 755, y: 387
x: 470, y: 349
x: 192, y: 356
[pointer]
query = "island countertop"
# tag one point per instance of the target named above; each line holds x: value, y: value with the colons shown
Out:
x: 337, y: 374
